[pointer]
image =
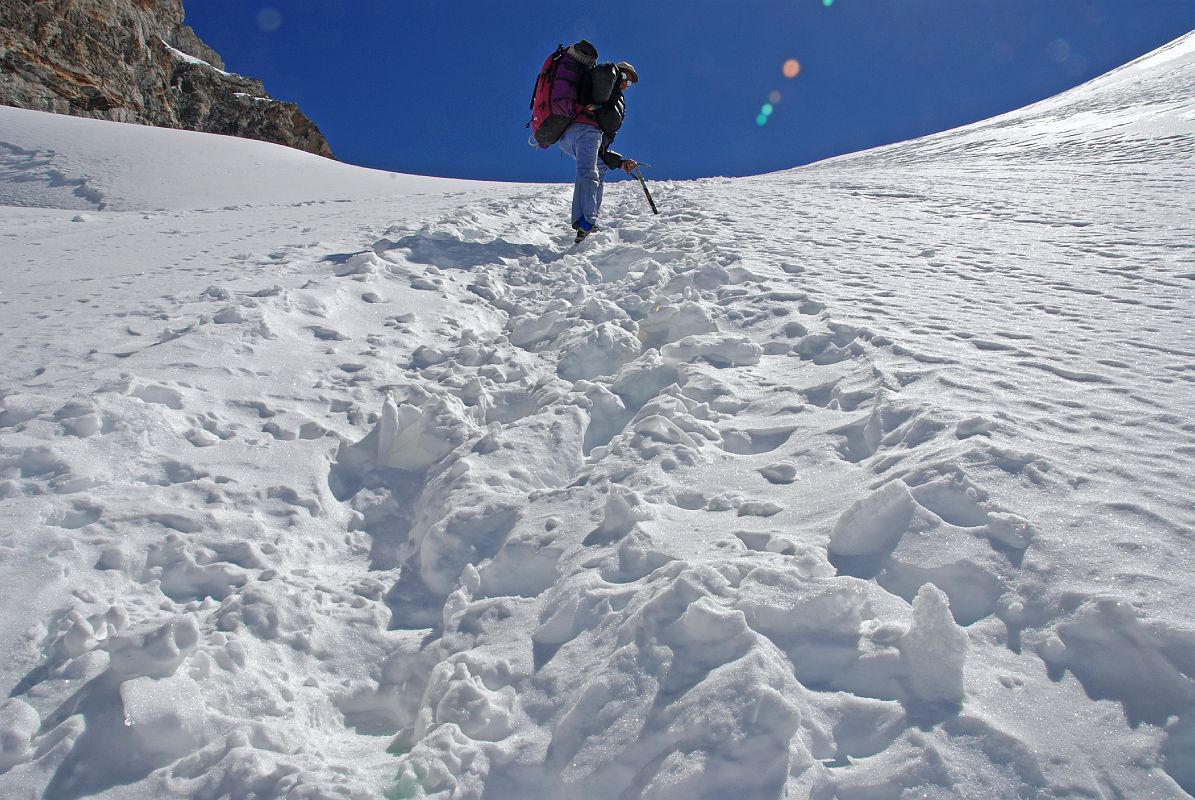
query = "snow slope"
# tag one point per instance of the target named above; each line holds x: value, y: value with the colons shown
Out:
x: 865, y: 480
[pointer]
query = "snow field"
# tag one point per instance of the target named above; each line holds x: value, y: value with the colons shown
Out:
x: 859, y: 481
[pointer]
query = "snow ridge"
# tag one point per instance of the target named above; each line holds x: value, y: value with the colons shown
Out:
x: 20, y: 167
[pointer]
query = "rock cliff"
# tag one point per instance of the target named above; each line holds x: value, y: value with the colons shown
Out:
x: 135, y: 61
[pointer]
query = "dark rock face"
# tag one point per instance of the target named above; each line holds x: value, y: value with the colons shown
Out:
x: 135, y: 61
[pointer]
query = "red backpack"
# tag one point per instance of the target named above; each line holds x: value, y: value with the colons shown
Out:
x: 554, y: 102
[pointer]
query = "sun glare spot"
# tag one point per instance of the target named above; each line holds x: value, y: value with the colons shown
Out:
x: 761, y: 120
x: 1003, y: 51
x: 269, y: 19
x: 774, y: 97
x: 1058, y: 50
x: 792, y: 68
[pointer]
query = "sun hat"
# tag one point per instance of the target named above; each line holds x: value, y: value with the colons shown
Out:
x: 628, y: 70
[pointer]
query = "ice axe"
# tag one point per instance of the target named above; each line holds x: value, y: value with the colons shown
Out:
x: 636, y: 172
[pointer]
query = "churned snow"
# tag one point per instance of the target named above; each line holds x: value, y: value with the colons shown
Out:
x: 870, y: 479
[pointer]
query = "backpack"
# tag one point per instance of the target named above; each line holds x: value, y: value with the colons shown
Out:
x: 554, y: 101
x: 600, y: 84
x: 601, y: 89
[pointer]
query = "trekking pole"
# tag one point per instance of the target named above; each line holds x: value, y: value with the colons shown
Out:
x: 636, y: 172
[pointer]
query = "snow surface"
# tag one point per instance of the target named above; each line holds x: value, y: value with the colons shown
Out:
x: 866, y: 480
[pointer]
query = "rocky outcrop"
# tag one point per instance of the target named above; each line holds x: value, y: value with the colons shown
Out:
x: 135, y: 61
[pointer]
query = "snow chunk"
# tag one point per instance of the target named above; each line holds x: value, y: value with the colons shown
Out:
x: 413, y: 437
x: 165, y: 716
x: 601, y: 351
x: 874, y: 524
x: 529, y: 329
x: 459, y: 696
x: 19, y: 723
x: 624, y: 510
x: 666, y: 324
x: 933, y: 650
x: 360, y: 264
x: 782, y: 472
x: 18, y: 407
x: 719, y: 350
x: 153, y: 650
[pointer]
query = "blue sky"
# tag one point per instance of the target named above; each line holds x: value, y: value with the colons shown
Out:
x: 442, y: 87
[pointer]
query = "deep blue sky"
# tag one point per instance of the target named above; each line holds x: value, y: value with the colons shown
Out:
x: 441, y: 87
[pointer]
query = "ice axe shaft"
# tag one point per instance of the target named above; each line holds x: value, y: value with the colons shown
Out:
x: 643, y: 183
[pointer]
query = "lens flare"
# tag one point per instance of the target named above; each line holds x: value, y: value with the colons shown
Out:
x: 761, y: 120
x: 792, y: 68
x: 269, y: 19
x: 774, y: 97
x: 827, y: 3
x: 1003, y: 52
x: 767, y: 109
x: 1059, y: 50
